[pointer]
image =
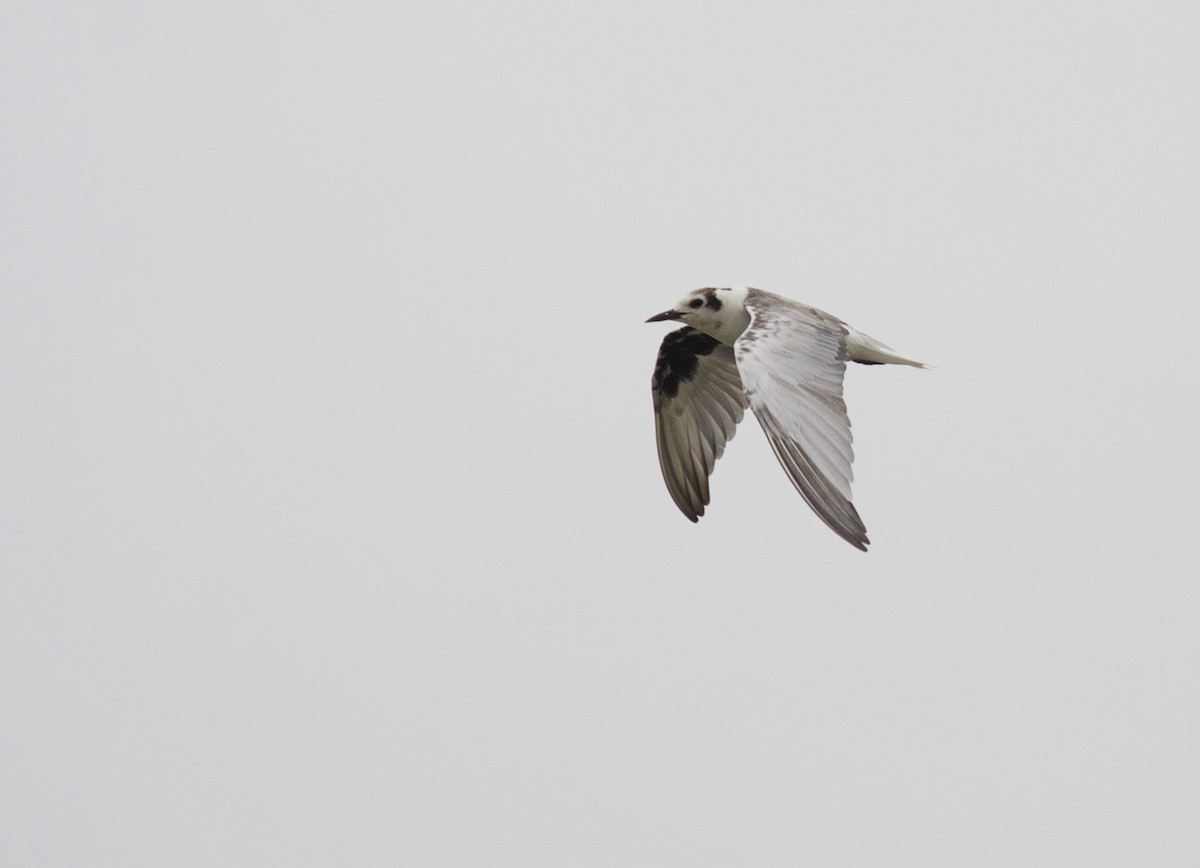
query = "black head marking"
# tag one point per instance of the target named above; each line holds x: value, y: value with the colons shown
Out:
x: 678, y: 358
x: 711, y: 301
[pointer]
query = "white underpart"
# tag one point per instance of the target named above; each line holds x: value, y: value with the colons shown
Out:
x: 737, y: 318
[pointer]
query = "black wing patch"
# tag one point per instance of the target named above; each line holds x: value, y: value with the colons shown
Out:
x: 678, y: 358
x: 698, y: 402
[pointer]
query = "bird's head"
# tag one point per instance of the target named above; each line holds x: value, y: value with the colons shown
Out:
x: 718, y: 313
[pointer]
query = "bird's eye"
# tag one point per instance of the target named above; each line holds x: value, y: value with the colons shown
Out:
x: 695, y: 303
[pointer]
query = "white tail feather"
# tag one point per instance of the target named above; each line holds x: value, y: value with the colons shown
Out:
x: 863, y: 348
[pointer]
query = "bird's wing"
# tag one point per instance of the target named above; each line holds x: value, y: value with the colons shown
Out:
x: 698, y: 401
x: 791, y: 359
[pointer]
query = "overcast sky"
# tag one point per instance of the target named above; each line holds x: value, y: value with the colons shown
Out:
x: 331, y: 525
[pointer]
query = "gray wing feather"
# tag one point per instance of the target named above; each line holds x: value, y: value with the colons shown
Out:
x: 698, y: 402
x: 792, y: 358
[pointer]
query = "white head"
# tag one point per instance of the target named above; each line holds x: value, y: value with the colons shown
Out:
x: 719, y: 313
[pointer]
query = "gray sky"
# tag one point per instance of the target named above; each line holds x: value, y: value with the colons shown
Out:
x: 331, y: 526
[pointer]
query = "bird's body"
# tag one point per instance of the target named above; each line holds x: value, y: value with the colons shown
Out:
x: 784, y: 360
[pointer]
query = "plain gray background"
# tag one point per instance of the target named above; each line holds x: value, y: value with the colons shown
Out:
x: 331, y: 526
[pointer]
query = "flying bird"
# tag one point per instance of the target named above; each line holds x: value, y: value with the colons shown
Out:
x: 784, y: 360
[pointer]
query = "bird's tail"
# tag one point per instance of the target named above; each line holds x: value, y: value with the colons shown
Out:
x: 867, y: 351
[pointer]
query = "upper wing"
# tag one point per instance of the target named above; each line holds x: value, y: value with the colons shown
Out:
x: 698, y: 401
x: 791, y: 358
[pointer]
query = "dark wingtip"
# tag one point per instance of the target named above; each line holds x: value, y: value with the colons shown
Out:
x: 858, y: 540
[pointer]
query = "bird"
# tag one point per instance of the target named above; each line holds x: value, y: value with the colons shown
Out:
x: 746, y: 348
